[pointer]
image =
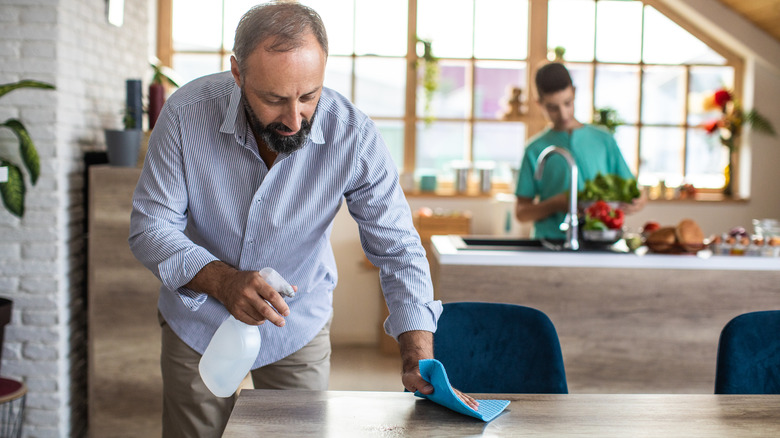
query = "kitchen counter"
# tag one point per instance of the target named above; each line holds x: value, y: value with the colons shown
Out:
x: 627, y: 323
x: 447, y: 251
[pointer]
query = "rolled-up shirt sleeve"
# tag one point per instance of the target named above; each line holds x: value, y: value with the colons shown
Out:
x: 159, y: 216
x: 389, y: 239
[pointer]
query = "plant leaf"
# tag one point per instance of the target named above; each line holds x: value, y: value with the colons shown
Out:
x: 759, y: 123
x: 13, y: 190
x: 7, y: 88
x: 26, y: 149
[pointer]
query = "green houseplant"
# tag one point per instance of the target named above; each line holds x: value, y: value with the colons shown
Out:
x: 161, y: 76
x: 608, y: 118
x: 13, y: 189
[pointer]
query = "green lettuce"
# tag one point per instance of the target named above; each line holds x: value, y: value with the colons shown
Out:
x: 609, y: 187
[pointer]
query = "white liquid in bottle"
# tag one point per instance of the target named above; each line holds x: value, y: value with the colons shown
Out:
x: 229, y: 356
x: 235, y: 346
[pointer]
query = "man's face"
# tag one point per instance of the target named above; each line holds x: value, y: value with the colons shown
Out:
x: 559, y: 108
x: 276, y: 134
x: 280, y: 91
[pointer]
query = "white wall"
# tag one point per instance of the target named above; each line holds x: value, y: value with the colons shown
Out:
x: 70, y: 44
x: 762, y: 91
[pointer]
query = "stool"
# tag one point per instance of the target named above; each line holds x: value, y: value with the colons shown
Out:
x: 12, y: 398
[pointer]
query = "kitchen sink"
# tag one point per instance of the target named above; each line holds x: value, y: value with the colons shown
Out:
x: 492, y: 243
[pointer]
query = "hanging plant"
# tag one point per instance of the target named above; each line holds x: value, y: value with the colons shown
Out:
x: 608, y: 118
x: 430, y: 76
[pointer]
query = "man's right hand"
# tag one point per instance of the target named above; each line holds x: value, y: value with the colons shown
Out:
x: 245, y: 294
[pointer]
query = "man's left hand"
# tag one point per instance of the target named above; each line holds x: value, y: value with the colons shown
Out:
x: 415, y: 346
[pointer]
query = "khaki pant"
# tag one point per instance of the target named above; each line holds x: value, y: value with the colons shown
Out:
x: 190, y: 410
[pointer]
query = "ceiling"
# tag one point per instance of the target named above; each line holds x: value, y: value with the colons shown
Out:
x: 765, y: 14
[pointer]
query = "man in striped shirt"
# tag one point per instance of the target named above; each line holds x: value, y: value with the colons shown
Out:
x: 247, y: 169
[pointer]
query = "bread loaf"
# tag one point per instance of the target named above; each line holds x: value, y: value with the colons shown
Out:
x: 662, y: 240
x: 689, y: 235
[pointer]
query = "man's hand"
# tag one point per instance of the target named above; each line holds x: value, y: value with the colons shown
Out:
x: 245, y: 294
x: 417, y: 345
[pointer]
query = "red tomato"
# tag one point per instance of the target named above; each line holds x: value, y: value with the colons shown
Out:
x: 650, y: 227
x: 599, y: 210
x: 617, y: 218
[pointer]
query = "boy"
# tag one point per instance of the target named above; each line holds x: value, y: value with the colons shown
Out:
x: 594, y: 150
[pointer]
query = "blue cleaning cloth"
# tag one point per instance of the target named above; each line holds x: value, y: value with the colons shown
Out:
x: 433, y: 372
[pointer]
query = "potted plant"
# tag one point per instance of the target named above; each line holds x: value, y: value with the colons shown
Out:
x: 162, y: 75
x: 12, y: 185
x: 123, y: 145
x: 728, y: 127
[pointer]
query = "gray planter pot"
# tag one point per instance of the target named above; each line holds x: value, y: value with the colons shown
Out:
x: 123, y: 146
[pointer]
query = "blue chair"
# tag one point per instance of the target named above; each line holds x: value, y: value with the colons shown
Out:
x: 749, y: 355
x: 499, y: 348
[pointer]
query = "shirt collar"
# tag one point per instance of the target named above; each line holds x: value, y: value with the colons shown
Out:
x: 235, y: 119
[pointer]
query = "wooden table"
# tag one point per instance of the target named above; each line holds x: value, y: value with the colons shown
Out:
x: 397, y: 414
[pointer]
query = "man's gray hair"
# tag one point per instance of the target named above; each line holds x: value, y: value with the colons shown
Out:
x: 283, y: 24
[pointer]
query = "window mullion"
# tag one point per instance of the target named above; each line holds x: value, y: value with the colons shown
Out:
x: 537, y: 54
x: 410, y: 119
x: 165, y: 31
x: 685, y: 121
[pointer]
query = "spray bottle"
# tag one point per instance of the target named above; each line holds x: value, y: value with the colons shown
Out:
x: 235, y: 346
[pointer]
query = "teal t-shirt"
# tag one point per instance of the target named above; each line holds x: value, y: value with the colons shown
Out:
x: 594, y: 150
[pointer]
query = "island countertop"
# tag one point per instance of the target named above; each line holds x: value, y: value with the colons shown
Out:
x: 626, y: 323
x: 446, y: 251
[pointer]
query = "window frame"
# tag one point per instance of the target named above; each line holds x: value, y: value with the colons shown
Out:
x: 533, y: 118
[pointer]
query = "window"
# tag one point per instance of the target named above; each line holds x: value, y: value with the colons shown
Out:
x: 623, y: 54
x: 202, y: 35
x: 630, y: 57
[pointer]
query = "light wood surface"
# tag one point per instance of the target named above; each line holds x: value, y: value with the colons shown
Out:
x: 763, y: 13
x: 624, y: 330
x: 396, y: 414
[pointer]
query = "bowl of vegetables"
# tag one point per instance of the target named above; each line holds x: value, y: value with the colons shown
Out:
x: 603, y: 223
x: 599, y: 204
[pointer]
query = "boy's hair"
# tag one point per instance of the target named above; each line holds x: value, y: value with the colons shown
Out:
x: 551, y: 78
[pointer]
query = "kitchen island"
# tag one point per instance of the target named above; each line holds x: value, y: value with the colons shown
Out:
x: 627, y: 323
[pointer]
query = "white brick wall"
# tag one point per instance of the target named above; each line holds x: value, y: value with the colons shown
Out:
x: 70, y: 44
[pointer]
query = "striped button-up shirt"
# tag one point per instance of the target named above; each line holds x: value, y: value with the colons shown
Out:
x: 205, y: 194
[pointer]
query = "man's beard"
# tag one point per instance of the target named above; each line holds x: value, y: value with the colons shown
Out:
x: 281, y: 144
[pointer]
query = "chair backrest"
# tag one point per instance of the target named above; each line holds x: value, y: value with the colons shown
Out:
x: 499, y: 348
x: 749, y: 355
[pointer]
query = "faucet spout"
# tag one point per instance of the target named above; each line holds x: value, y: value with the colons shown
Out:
x: 571, y: 222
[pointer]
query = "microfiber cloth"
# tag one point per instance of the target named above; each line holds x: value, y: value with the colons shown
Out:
x: 433, y: 372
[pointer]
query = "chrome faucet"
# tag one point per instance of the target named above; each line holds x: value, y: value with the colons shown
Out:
x: 571, y: 223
